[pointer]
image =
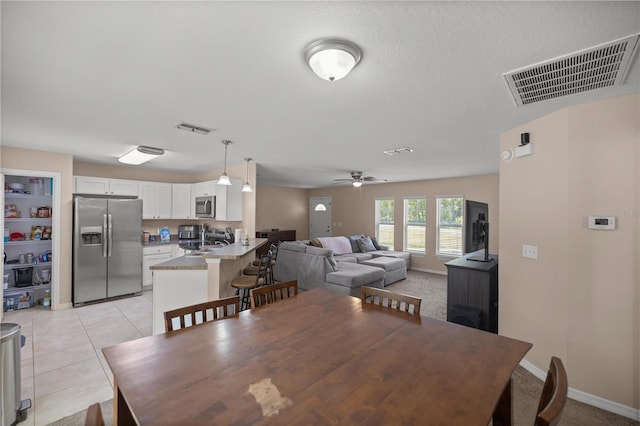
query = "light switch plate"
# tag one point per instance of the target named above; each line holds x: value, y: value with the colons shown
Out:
x: 530, y: 251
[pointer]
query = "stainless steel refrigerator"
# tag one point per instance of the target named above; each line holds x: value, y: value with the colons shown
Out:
x: 107, y: 248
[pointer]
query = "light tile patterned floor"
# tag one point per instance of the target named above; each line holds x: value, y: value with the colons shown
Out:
x: 63, y: 369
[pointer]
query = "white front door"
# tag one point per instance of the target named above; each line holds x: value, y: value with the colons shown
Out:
x: 319, y: 217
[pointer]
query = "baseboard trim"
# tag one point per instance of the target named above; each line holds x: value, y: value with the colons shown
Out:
x: 61, y: 306
x: 431, y: 271
x: 587, y: 398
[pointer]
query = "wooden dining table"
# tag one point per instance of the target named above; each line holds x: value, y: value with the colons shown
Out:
x: 316, y: 358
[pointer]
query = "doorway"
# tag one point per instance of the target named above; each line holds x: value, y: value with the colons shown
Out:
x: 319, y: 217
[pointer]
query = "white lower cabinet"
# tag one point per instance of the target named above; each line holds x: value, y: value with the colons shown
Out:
x: 152, y: 255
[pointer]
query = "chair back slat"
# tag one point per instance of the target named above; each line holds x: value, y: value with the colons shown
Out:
x: 554, y: 394
x: 272, y: 293
x: 390, y: 300
x: 197, y: 314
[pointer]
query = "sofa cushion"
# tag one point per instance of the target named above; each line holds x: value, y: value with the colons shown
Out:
x: 293, y: 246
x: 358, y: 256
x: 354, y: 242
x: 317, y: 251
x: 374, y: 240
x: 354, y: 275
x: 366, y: 245
x: 339, y: 245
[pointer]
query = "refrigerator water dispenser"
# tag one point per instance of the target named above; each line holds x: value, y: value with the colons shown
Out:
x: 91, y: 236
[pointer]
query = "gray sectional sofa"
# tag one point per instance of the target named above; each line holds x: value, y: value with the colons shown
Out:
x: 343, y: 272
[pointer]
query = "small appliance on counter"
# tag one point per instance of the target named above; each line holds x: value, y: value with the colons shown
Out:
x: 220, y: 236
x: 189, y: 237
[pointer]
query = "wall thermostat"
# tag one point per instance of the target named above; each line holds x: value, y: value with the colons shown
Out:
x: 602, y: 222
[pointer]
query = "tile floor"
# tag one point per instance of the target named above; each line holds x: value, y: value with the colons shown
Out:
x: 63, y: 369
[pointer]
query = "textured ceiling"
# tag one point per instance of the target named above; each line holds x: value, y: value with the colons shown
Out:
x: 97, y: 78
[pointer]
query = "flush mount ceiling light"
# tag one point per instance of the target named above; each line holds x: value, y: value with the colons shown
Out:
x: 332, y: 59
x: 247, y: 186
x: 224, y: 179
x: 140, y: 155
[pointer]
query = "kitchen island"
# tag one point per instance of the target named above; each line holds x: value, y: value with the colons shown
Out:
x: 199, y: 277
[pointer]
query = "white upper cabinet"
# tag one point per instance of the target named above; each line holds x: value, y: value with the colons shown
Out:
x: 123, y: 187
x: 104, y: 186
x: 181, y: 201
x: 156, y: 200
x: 229, y: 201
x: 203, y: 189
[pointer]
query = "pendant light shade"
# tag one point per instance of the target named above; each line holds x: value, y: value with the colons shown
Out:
x: 247, y: 186
x: 332, y: 59
x: 140, y: 154
x: 224, y: 179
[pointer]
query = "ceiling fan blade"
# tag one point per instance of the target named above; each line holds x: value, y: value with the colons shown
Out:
x: 373, y: 179
x: 343, y: 180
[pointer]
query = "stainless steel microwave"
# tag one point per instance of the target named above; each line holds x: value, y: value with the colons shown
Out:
x: 206, y: 206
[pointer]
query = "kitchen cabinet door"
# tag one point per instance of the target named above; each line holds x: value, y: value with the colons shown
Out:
x: 229, y: 201
x: 203, y: 189
x: 156, y: 200
x: 123, y: 187
x: 91, y: 185
x: 181, y: 201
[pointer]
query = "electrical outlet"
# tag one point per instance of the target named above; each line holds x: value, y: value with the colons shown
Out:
x: 530, y: 251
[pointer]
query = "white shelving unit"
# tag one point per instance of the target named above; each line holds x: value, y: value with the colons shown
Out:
x: 40, y: 249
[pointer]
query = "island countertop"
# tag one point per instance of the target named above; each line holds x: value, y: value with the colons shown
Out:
x: 198, y: 261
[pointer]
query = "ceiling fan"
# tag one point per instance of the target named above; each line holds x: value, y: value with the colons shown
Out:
x: 357, y: 179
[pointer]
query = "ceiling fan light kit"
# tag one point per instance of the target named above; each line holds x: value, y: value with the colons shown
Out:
x: 332, y: 59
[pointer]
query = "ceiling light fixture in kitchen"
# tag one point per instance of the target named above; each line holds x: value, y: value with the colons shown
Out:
x: 140, y: 154
x: 332, y: 59
x: 224, y: 179
x: 247, y: 186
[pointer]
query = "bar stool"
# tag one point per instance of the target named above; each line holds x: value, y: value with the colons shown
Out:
x: 253, y: 268
x: 244, y: 283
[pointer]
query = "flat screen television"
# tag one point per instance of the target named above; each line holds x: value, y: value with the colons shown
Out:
x: 476, y: 227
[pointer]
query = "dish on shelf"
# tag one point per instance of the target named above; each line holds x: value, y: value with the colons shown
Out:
x: 16, y: 186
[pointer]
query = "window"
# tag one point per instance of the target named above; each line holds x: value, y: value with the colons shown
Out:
x: 384, y: 222
x: 449, y: 226
x: 415, y: 224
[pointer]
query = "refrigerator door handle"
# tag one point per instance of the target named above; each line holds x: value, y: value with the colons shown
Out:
x: 110, y: 235
x: 104, y: 232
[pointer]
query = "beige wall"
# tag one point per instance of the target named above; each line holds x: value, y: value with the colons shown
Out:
x: 283, y: 208
x: 15, y: 158
x: 353, y: 209
x: 579, y: 299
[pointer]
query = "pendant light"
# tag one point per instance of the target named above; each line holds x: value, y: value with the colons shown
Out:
x: 224, y: 179
x: 247, y: 187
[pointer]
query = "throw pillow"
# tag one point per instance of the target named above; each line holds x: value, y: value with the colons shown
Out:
x: 354, y: 243
x: 366, y: 245
x: 315, y: 243
x: 375, y: 243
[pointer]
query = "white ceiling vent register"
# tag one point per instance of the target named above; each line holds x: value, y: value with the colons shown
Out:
x: 589, y: 69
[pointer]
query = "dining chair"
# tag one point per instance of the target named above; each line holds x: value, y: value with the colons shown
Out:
x: 391, y: 300
x: 272, y: 293
x: 554, y: 394
x: 244, y: 283
x: 94, y: 416
x: 208, y: 311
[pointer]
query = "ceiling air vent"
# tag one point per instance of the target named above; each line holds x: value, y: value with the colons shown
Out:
x: 191, y: 128
x: 589, y: 69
